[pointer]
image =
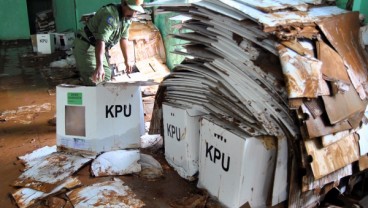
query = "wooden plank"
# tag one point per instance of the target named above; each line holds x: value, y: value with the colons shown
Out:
x: 326, y: 160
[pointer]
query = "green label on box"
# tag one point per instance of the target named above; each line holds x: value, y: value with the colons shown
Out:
x: 75, y: 98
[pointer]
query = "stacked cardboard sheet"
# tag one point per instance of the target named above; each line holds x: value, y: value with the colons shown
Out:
x: 45, y: 22
x: 291, y: 70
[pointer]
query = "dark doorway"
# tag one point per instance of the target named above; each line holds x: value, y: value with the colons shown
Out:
x: 34, y: 7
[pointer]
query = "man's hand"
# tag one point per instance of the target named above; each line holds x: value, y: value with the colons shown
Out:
x: 125, y: 48
x: 128, y: 67
x: 98, y: 75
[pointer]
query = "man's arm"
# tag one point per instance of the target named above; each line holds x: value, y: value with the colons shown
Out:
x: 124, y: 45
x: 99, y: 74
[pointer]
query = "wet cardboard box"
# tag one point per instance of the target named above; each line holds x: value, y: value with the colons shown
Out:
x: 64, y: 41
x: 45, y: 43
x: 181, y: 136
x: 95, y: 119
x: 235, y: 168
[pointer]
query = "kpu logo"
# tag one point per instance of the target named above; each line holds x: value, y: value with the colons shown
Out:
x: 113, y: 111
x: 173, y: 131
x: 216, y: 155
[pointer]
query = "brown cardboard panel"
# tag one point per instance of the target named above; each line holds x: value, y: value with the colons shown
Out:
x: 319, y: 127
x: 347, y: 44
x: 333, y: 67
x: 295, y: 103
x: 326, y: 160
x: 363, y: 163
x: 315, y: 107
x: 343, y: 105
x: 309, y: 183
x: 356, y: 119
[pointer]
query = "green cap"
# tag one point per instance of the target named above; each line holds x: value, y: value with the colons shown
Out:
x: 135, y: 5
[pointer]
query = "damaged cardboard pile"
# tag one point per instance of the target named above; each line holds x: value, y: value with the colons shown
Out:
x: 288, y: 75
x: 45, y: 22
x: 50, y: 178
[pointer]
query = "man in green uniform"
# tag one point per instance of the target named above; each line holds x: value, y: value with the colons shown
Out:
x: 109, y: 26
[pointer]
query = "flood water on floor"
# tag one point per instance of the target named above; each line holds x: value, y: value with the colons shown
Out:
x: 27, y: 103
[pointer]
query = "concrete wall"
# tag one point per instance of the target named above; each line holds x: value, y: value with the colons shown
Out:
x: 64, y: 14
x: 88, y: 6
x: 341, y: 3
x: 68, y: 12
x: 358, y: 5
x: 14, y: 20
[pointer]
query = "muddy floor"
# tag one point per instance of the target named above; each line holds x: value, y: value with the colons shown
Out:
x: 22, y: 83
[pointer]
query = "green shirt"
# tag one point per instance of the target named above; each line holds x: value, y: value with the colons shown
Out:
x: 108, y: 24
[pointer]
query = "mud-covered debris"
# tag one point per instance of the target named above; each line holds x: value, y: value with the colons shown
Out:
x: 151, y: 168
x: 151, y: 141
x: 55, y: 202
x: 50, y: 172
x: 25, y: 114
x: 34, y: 157
x: 105, y: 194
x: 120, y: 162
x: 25, y: 197
x: 197, y: 200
